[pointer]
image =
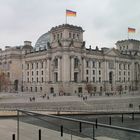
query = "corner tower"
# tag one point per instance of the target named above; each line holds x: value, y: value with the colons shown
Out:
x: 130, y: 47
x: 66, y: 36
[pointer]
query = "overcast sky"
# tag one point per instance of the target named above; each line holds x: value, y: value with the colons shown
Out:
x: 104, y: 21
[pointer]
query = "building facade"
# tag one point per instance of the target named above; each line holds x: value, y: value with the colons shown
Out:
x: 60, y: 63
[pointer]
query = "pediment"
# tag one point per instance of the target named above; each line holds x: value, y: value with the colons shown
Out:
x: 112, y: 52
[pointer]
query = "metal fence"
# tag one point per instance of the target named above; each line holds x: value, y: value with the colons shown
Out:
x: 36, y: 126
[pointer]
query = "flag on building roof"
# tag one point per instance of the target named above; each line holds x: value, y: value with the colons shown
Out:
x: 70, y: 13
x: 131, y: 30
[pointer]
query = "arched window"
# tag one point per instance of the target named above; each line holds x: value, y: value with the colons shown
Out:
x: 76, y: 61
x: 56, y: 63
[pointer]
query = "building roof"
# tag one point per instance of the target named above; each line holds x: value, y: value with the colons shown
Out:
x: 128, y: 40
x: 43, y: 40
x: 68, y: 26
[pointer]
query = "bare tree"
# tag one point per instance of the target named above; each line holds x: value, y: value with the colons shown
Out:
x: 4, y: 81
x: 120, y: 89
x: 89, y: 88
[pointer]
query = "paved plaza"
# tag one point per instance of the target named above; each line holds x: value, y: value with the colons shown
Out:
x: 39, y: 97
x: 30, y: 131
x: 37, y: 101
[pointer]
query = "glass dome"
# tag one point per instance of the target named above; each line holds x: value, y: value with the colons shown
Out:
x: 43, y: 41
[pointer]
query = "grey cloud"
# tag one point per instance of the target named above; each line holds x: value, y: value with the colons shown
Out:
x: 105, y: 21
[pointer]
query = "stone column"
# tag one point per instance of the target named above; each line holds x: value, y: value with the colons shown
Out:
x: 90, y: 71
x: 59, y: 69
x: 72, y: 68
x: 49, y: 69
x: 84, y: 69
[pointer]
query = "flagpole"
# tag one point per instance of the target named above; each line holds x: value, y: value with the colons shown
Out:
x: 66, y: 17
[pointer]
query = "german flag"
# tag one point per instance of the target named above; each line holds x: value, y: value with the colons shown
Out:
x: 131, y: 30
x: 70, y: 13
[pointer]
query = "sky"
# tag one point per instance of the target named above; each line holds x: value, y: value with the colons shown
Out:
x: 104, y: 21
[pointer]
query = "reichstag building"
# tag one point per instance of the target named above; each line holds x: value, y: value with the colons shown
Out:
x: 61, y: 63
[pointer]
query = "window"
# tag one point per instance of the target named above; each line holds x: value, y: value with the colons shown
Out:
x: 110, y: 77
x: 77, y: 36
x: 101, y: 89
x: 56, y: 77
x: 93, y: 79
x: 36, y: 72
x: 124, y: 66
x: 8, y: 74
x: 42, y: 80
x: 93, y: 72
x: 99, y: 79
x: 99, y: 72
x: 125, y: 87
x: 128, y: 79
x: 27, y: 79
x: 37, y: 79
x: 124, y: 72
x: 87, y: 79
x: 86, y: 71
x: 51, y: 90
x: 73, y: 36
x: 76, y: 77
x: 10, y: 62
x: 124, y: 79
x: 61, y: 35
x: 93, y: 64
x: 56, y: 63
x: 40, y: 88
x: 119, y: 72
x: 57, y: 36
x: 75, y: 62
x: 27, y: 66
x: 35, y: 89
x: 28, y: 73
x: 32, y: 65
x: 80, y: 90
x: 31, y: 89
x: 42, y: 72
x: 120, y: 66
x: 94, y: 89
x: 111, y: 65
x: 87, y: 64
x: 119, y: 79
x: 32, y: 79
x: 32, y: 73
x: 36, y: 65
x: 129, y: 73
x: 128, y: 67
x: 69, y: 35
